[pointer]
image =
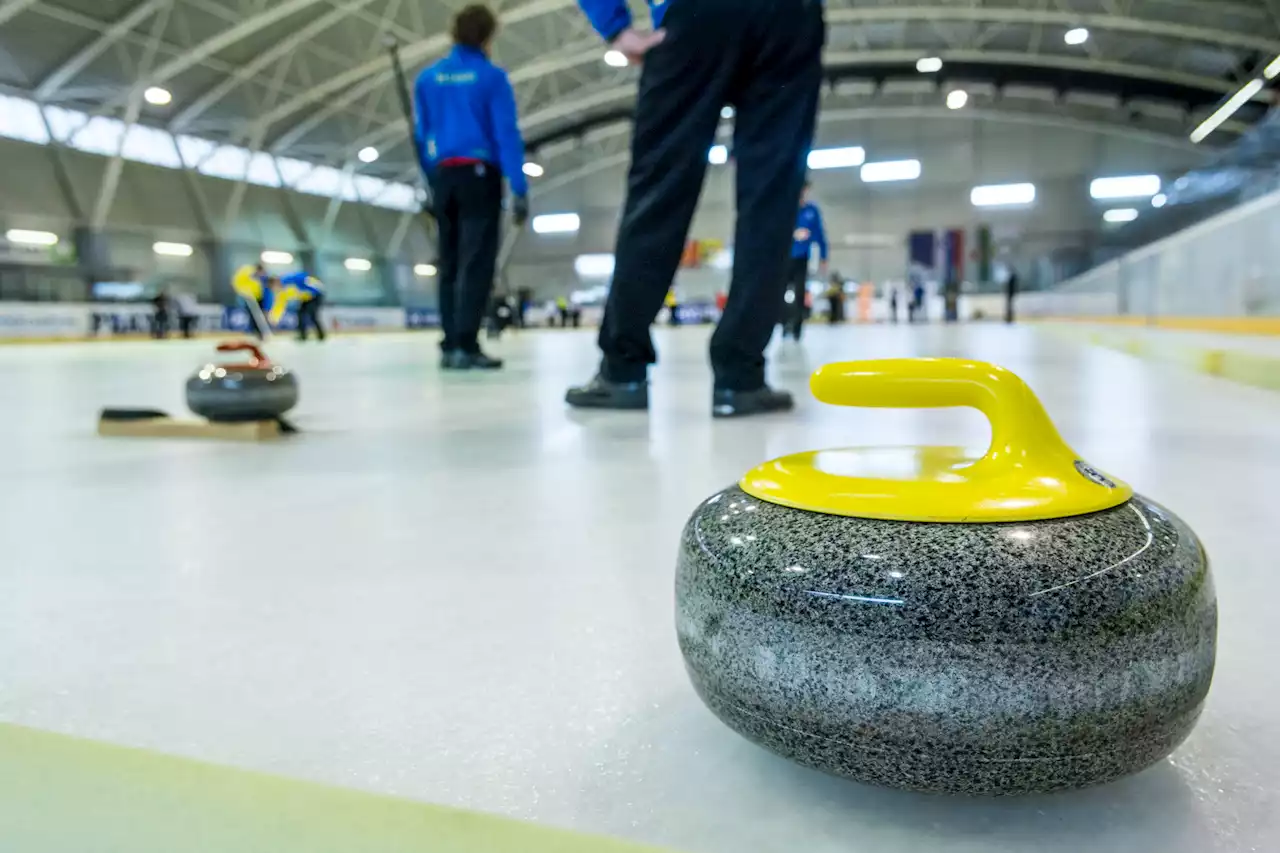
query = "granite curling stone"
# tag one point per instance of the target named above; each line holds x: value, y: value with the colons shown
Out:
x: 930, y: 619
x: 235, y: 393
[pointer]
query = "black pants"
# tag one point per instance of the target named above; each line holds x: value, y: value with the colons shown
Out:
x: 797, y: 284
x: 309, y: 315
x: 765, y: 58
x: 468, y: 202
x: 160, y: 324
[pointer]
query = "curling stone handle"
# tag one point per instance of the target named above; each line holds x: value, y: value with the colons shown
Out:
x: 1021, y: 432
x: 256, y: 356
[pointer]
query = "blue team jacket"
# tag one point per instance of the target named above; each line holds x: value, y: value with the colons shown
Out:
x: 611, y: 17
x: 466, y: 108
x: 304, y: 282
x: 808, y: 231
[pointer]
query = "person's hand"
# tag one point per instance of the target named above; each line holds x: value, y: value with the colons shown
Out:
x: 520, y: 211
x: 634, y: 44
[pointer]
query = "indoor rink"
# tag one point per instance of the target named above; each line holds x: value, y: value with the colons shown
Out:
x: 438, y: 609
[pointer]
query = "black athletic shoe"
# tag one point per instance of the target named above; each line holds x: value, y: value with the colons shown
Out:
x: 459, y: 360
x: 478, y: 361
x: 600, y: 393
x: 762, y: 401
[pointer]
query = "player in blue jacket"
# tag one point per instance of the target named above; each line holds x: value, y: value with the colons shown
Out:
x: 808, y: 234
x: 467, y: 124
x: 306, y: 290
x: 764, y: 58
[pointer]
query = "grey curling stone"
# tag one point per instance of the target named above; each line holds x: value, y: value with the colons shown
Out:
x: 994, y: 658
x: 240, y: 393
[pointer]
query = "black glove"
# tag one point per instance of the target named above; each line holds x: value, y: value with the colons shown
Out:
x: 520, y: 211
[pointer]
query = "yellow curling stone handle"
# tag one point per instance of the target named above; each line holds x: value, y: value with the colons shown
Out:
x: 1027, y: 473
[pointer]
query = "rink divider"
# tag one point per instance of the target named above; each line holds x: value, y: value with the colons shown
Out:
x: 61, y: 793
x: 1256, y: 369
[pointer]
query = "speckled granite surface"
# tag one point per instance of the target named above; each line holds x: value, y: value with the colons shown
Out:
x: 252, y: 394
x: 985, y: 659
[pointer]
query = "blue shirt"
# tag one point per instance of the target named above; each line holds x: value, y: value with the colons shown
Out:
x: 467, y: 109
x: 611, y: 17
x: 808, y: 231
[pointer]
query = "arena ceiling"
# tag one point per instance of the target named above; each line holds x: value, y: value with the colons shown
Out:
x: 310, y: 79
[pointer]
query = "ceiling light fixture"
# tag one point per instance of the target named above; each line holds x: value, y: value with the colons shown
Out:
x: 837, y: 158
x: 557, y: 223
x: 368, y: 155
x: 31, y: 238
x: 157, y: 96
x: 1076, y: 36
x: 929, y: 65
x: 891, y: 170
x: 615, y: 59
x: 1273, y: 69
x: 1227, y: 110
x: 957, y: 100
x: 358, y: 264
x: 424, y: 270
x: 1127, y: 186
x: 273, y: 257
x: 173, y: 250
x: 533, y: 170
x: 1123, y: 214
x: 1003, y: 195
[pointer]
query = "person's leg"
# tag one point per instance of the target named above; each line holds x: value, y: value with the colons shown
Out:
x: 683, y: 87
x: 303, y: 311
x: 317, y: 304
x: 446, y: 212
x: 797, y: 281
x: 780, y: 84
x: 480, y: 209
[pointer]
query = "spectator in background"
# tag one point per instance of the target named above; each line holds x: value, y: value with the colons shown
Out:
x: 835, y: 298
x: 809, y: 232
x: 160, y: 316
x: 188, y: 310
x: 1010, y: 295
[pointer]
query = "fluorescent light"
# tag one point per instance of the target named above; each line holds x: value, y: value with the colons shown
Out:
x: 172, y: 250
x: 1273, y: 69
x: 533, y: 170
x: 718, y: 155
x: 557, y: 223
x: 1079, y: 35
x: 358, y: 264
x: 594, y: 266
x: 1130, y: 186
x: 616, y: 59
x: 270, y: 257
x: 157, y: 96
x: 1123, y: 214
x: 31, y: 238
x: 726, y: 112
x: 424, y: 270
x: 929, y: 65
x: 957, y: 99
x: 1003, y: 195
x: 368, y: 155
x: 1159, y: 200
x: 837, y: 158
x: 1227, y: 110
x: 891, y: 170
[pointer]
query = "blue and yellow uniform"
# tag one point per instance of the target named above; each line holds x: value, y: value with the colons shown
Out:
x: 306, y: 290
x: 250, y: 284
